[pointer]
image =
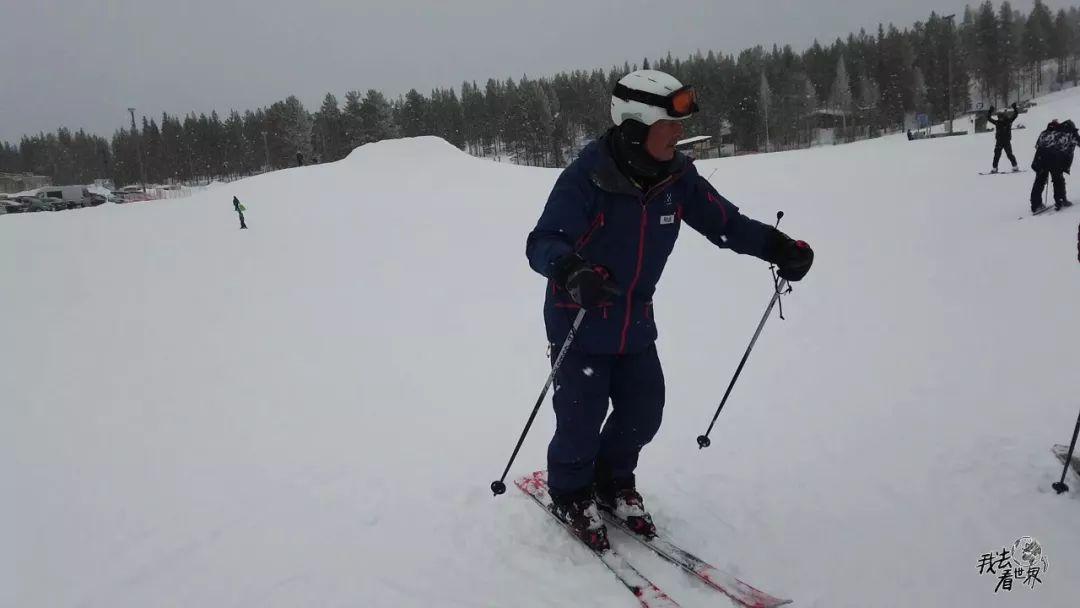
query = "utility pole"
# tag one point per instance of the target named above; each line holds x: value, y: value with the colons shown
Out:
x: 138, y: 149
x: 266, y: 147
x: 766, y: 99
x: 952, y: 41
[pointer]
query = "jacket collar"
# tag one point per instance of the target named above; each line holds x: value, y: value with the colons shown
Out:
x: 605, y: 173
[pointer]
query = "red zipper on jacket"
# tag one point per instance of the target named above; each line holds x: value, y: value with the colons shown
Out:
x: 640, y: 258
x: 598, y: 222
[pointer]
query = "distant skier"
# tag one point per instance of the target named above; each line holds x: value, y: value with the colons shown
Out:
x: 240, y: 209
x: 603, y: 239
x: 299, y: 159
x: 1003, y: 135
x: 1053, y: 158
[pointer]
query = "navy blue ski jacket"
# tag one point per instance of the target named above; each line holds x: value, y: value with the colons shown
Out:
x: 597, y: 212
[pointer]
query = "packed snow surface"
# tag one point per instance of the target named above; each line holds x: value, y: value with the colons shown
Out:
x: 309, y: 412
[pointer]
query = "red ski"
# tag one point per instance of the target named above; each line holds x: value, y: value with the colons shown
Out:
x: 727, y: 583
x: 724, y: 582
x: 647, y: 593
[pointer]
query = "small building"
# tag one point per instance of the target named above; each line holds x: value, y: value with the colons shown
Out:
x: 827, y: 126
x: 697, y: 147
x: 21, y: 182
x: 726, y: 143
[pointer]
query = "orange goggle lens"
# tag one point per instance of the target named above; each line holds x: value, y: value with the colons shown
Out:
x: 683, y: 102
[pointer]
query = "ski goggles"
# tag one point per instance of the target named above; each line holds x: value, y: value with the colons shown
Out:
x: 678, y: 104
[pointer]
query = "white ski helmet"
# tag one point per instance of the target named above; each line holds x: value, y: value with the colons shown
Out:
x: 649, y: 95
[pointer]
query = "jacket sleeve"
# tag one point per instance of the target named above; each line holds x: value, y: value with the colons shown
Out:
x: 719, y: 220
x: 990, y: 118
x: 564, y: 220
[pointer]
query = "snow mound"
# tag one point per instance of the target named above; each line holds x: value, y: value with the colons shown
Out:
x: 416, y: 149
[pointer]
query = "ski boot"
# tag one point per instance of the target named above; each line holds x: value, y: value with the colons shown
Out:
x: 619, y: 498
x: 1016, y: 169
x: 1059, y: 205
x: 578, y: 510
x: 1038, y: 208
x: 993, y: 170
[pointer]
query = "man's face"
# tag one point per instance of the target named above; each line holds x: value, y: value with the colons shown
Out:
x: 662, y: 137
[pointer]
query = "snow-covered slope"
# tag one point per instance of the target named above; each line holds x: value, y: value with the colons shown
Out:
x: 309, y: 412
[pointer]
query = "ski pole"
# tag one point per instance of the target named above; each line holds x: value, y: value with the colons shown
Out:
x: 498, y: 487
x: 772, y: 269
x: 1060, y: 486
x: 703, y: 440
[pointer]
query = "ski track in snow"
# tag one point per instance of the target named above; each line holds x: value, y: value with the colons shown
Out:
x: 304, y: 413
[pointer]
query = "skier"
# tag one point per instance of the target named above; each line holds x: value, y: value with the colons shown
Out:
x: 239, y: 211
x: 1003, y: 135
x: 1053, y: 158
x: 603, y: 239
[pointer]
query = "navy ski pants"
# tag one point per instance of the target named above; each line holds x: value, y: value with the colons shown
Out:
x: 584, y: 443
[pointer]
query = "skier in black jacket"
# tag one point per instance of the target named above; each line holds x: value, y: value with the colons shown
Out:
x: 1053, y: 159
x: 239, y: 211
x: 1003, y: 135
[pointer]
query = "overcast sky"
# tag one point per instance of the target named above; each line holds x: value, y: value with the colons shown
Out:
x: 81, y: 63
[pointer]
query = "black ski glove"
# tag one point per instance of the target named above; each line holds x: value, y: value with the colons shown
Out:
x: 589, y: 285
x: 792, y: 258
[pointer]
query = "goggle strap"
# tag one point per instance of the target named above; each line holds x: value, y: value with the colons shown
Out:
x: 652, y: 99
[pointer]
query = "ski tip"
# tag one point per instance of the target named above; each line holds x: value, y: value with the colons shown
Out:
x: 533, y: 482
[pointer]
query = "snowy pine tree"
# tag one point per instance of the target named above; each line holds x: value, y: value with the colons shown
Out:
x: 328, y: 131
x: 376, y: 120
x: 351, y: 121
x: 413, y: 115
x: 840, y: 96
x: 918, y: 88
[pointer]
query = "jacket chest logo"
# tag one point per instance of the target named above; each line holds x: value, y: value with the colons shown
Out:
x: 667, y: 218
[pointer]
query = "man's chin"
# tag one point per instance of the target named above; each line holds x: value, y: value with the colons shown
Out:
x: 666, y: 155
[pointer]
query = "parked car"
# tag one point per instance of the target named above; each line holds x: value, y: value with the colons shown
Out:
x: 56, y: 204
x: 33, y: 203
x: 92, y: 200
x: 11, y: 205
